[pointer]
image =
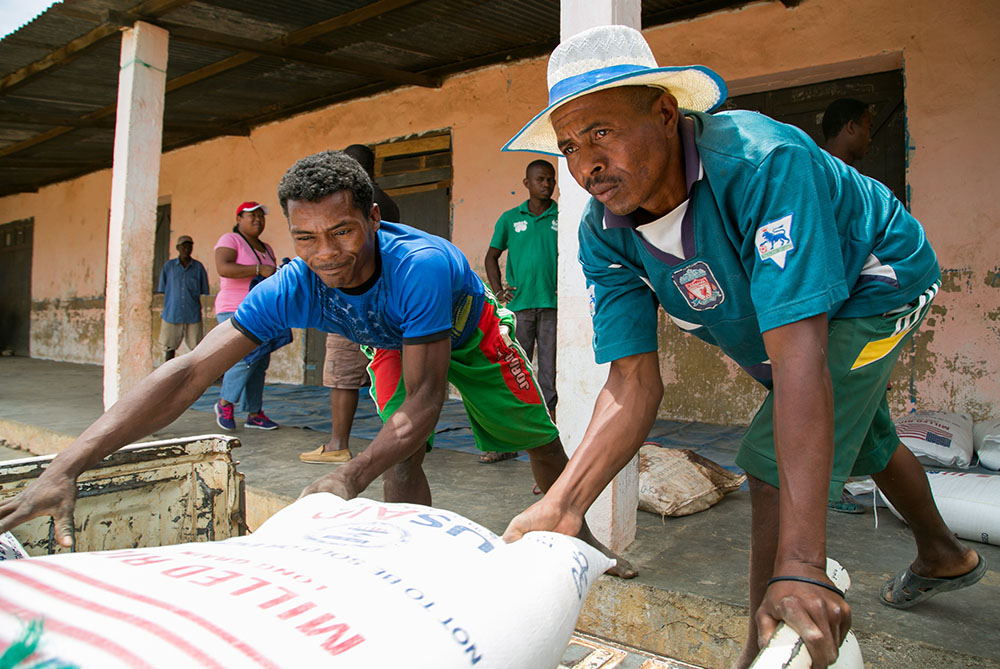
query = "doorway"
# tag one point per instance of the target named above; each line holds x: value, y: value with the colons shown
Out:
x: 15, y: 287
x: 416, y: 173
x: 803, y: 106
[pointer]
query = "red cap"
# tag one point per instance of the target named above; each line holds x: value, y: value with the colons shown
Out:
x: 251, y: 206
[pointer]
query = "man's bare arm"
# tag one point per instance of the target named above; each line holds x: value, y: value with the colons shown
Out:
x: 623, y: 415
x: 154, y: 403
x: 226, y: 265
x: 492, y: 263
x: 803, y: 436
x: 425, y: 377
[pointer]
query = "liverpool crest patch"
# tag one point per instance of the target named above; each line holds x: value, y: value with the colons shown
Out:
x: 774, y: 240
x: 698, y: 286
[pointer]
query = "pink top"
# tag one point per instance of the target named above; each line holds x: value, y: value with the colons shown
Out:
x: 232, y: 291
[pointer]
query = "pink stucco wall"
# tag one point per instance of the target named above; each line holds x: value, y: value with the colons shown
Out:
x: 950, y: 63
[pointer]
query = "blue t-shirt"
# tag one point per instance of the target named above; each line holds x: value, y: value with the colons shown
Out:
x: 425, y: 291
x: 182, y: 288
x: 776, y: 230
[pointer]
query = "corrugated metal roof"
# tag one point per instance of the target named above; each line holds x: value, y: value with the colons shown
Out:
x: 57, y: 99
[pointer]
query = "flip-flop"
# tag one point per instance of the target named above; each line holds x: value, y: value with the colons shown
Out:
x: 490, y: 457
x: 908, y: 589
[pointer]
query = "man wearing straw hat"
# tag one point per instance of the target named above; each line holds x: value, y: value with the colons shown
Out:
x: 806, y: 273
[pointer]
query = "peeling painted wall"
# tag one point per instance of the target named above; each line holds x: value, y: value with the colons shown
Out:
x: 949, y: 58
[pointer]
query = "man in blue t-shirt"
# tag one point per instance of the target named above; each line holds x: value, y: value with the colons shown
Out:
x: 183, y: 281
x: 410, y: 298
x: 807, y: 274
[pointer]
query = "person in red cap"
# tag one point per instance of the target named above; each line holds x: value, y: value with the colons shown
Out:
x: 242, y: 261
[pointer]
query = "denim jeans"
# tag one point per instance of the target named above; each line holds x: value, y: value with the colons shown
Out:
x: 244, y: 383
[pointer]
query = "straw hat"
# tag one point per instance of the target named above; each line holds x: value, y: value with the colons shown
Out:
x: 606, y: 57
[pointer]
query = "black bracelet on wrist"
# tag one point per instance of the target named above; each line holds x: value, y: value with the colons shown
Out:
x: 803, y: 579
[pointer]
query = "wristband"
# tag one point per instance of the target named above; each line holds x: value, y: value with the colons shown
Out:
x: 803, y: 579
x: 258, y: 269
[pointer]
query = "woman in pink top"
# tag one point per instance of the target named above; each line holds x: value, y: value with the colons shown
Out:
x: 242, y: 260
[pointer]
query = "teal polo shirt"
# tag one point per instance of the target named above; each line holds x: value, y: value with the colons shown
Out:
x: 776, y: 230
x: 532, y: 245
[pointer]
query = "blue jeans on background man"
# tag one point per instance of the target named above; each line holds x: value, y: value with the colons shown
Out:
x: 244, y: 382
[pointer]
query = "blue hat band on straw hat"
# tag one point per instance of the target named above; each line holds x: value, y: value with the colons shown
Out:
x: 580, y: 82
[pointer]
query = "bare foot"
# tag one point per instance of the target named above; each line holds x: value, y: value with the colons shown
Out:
x: 947, y: 567
x: 622, y: 567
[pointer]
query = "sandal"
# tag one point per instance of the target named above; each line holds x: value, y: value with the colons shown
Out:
x: 847, y: 504
x: 490, y: 457
x: 908, y: 589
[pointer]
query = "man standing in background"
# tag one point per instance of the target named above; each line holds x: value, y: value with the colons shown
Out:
x: 345, y: 367
x: 847, y: 128
x: 529, y: 234
x: 183, y: 281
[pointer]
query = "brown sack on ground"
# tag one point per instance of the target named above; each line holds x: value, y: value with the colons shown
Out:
x: 675, y: 482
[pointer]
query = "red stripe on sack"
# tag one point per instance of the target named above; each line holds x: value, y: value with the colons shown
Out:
x: 129, y: 618
x: 101, y: 643
x: 205, y: 624
x: 516, y: 372
x: 387, y: 366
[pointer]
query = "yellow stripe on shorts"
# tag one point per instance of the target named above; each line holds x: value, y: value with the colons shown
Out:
x: 876, y: 350
x: 907, y: 321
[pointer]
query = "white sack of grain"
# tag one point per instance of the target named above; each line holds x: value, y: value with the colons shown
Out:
x: 969, y: 504
x: 986, y: 442
x: 323, y: 583
x: 938, y: 437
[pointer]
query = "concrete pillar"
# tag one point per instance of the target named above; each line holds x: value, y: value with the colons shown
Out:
x: 612, y: 517
x: 132, y: 228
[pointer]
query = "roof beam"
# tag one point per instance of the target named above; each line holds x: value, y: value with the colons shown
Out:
x: 32, y: 118
x: 298, y: 37
x: 305, y: 105
x: 220, y: 40
x: 60, y: 56
x: 78, y: 46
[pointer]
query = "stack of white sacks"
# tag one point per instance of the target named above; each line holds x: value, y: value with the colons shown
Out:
x: 969, y: 502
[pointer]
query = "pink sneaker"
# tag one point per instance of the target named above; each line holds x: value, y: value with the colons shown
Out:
x: 260, y: 422
x: 224, y: 416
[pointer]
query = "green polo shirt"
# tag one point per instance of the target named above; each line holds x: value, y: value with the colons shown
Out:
x: 532, y: 245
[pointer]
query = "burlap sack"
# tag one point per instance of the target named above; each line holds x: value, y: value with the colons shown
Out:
x: 674, y: 482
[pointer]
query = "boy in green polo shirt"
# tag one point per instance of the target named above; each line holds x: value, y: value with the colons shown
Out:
x: 529, y: 234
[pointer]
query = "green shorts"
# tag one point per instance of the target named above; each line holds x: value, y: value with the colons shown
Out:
x: 861, y: 355
x: 493, y: 375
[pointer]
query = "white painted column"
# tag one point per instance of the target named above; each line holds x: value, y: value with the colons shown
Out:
x: 132, y: 228
x: 579, y: 379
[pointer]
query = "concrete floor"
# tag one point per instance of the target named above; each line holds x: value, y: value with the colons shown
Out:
x: 689, y: 601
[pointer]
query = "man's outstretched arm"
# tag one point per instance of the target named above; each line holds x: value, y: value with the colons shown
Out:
x: 154, y: 403
x: 623, y: 415
x: 804, y: 444
x: 425, y: 377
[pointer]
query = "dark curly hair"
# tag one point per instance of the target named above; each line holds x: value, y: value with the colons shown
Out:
x: 314, y: 177
x: 839, y: 113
